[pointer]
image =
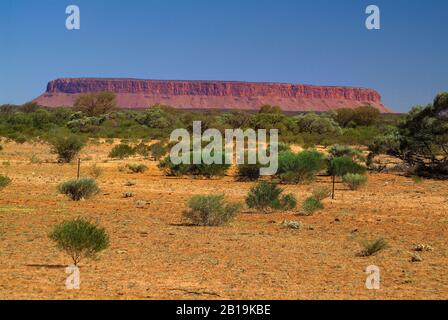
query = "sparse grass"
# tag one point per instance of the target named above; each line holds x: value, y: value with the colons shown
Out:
x: 417, y: 179
x: 321, y: 193
x: 79, y: 189
x: 95, y: 171
x: 370, y: 248
x: 210, y: 210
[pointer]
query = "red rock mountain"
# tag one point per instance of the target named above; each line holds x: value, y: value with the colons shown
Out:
x: 134, y: 93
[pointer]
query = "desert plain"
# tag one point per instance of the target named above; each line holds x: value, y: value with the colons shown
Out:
x: 154, y: 254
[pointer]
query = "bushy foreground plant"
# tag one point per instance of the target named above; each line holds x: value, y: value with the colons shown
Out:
x: 354, y: 180
x: 80, y: 239
x: 121, y: 151
x: 4, y: 181
x: 66, y: 146
x: 267, y: 196
x: 78, y: 189
x: 210, y: 210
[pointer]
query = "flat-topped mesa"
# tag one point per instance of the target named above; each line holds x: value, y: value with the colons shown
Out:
x: 134, y: 93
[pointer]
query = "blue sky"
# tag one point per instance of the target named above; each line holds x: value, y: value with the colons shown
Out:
x: 322, y: 42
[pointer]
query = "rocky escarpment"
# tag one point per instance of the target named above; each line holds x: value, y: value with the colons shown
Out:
x: 134, y: 93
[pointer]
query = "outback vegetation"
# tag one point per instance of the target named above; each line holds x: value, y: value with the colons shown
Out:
x: 357, y: 157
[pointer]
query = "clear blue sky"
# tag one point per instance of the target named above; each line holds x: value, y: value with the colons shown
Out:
x: 322, y: 42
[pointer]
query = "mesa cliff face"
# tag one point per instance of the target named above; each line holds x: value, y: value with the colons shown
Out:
x: 134, y: 93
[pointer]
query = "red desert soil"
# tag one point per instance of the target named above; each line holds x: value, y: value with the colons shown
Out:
x: 154, y: 256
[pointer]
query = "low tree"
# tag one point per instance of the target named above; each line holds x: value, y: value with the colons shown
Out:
x: 421, y: 140
x: 96, y: 103
x: 66, y: 146
x: 80, y: 239
x: 340, y: 166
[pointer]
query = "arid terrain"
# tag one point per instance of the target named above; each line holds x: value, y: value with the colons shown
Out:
x: 153, y: 254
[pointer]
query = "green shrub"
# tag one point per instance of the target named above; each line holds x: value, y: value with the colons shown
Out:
x: 142, y: 150
x: 321, y: 193
x: 121, y: 151
x: 205, y: 170
x: 79, y: 239
x: 267, y: 196
x: 340, y: 166
x: 248, y: 172
x: 79, y: 189
x: 136, y: 168
x: 372, y: 247
x: 354, y: 180
x: 302, y: 167
x: 1, y: 147
x: 311, y: 205
x: 4, y: 181
x: 288, y: 202
x: 67, y: 146
x: 210, y: 210
x: 158, y: 150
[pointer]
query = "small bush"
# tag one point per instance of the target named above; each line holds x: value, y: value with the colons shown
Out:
x: 248, y: 172
x: 311, y: 205
x: 79, y: 238
x: 266, y: 196
x: 158, y: 150
x: 121, y: 151
x: 288, y: 202
x: 354, y: 180
x: 372, y: 247
x: 79, y: 189
x: 4, y: 181
x: 321, y: 193
x: 142, y: 150
x: 210, y: 210
x: 136, y: 168
x: 67, y: 147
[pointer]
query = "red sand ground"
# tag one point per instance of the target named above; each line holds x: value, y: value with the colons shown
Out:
x: 153, y: 256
